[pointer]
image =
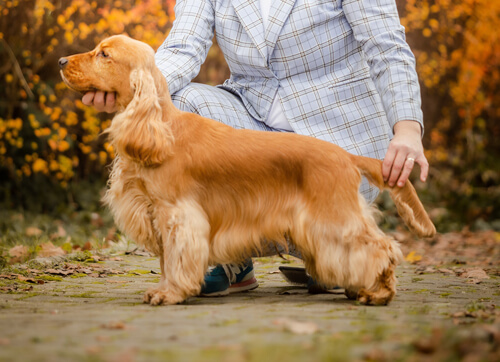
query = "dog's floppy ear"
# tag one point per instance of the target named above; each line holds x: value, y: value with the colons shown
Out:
x: 140, y: 131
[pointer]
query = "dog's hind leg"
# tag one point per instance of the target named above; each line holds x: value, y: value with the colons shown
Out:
x: 383, y: 291
x: 185, y: 231
x: 378, y: 284
x: 362, y: 261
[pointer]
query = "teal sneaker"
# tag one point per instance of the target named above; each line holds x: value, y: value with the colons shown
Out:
x: 229, y: 278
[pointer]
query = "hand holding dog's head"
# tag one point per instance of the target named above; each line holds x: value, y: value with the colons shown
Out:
x: 113, y: 66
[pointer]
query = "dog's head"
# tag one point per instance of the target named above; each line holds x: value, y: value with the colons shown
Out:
x: 140, y: 131
x: 113, y: 66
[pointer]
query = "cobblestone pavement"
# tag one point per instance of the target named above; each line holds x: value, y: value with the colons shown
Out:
x: 437, y: 315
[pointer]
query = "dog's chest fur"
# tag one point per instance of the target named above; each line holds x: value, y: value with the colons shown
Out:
x: 134, y: 208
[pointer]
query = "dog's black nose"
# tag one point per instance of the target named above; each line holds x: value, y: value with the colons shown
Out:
x: 63, y: 62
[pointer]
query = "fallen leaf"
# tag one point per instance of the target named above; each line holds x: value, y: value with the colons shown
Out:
x: 60, y: 233
x: 59, y: 272
x: 494, y: 331
x: 296, y: 327
x: 19, y: 253
x: 446, y: 271
x: 25, y: 279
x: 412, y: 257
x: 428, y: 345
x: 114, y: 325
x: 93, y: 349
x: 48, y: 249
x: 425, y: 269
x: 475, y: 274
x: 473, y: 281
x: 33, y: 231
x: 5, y: 276
x: 139, y: 252
x: 375, y: 354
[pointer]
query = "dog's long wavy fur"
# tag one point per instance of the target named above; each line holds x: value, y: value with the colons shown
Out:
x: 197, y: 192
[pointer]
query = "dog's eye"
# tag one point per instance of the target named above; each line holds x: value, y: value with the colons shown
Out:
x: 103, y: 54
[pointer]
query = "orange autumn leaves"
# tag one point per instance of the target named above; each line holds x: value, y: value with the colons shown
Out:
x: 44, y: 129
x: 457, y: 46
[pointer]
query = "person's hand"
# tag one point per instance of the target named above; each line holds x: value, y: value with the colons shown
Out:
x: 102, y: 101
x: 404, y: 151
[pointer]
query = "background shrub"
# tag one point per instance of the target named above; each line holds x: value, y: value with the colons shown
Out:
x: 52, y: 156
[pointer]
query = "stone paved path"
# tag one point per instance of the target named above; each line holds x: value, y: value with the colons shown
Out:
x: 435, y: 316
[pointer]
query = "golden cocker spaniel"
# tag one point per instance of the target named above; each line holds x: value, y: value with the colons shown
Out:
x: 197, y: 192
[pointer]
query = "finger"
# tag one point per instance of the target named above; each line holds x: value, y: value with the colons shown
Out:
x: 407, y: 168
x: 88, y: 98
x: 397, y: 166
x: 388, y: 161
x: 424, y: 167
x: 100, y: 101
x: 110, y: 102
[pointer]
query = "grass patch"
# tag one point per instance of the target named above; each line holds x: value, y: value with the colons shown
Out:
x: 78, y: 275
x: 89, y: 294
x: 50, y: 278
x: 421, y: 291
x: 27, y: 296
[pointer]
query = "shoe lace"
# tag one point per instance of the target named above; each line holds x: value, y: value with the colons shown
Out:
x: 231, y: 271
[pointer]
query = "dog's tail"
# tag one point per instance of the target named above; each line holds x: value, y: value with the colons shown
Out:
x: 407, y: 202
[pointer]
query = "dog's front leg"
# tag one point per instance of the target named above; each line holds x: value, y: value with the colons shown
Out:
x: 184, y: 259
x: 152, y: 292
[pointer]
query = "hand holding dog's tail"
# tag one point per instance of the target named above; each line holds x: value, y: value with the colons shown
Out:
x: 405, y: 198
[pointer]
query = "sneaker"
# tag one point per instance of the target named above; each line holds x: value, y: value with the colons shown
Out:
x: 229, y: 278
x: 298, y: 276
x: 313, y: 287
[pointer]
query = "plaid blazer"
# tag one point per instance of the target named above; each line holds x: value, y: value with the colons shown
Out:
x: 342, y: 68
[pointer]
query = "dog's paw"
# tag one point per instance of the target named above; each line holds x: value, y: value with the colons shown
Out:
x: 381, y: 297
x: 157, y: 296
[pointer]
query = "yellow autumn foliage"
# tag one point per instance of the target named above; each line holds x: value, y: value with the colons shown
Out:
x: 45, y: 130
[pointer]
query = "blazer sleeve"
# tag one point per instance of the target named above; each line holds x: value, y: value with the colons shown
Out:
x: 376, y: 26
x: 180, y: 56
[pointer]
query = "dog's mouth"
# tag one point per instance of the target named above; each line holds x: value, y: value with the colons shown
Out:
x: 76, y: 87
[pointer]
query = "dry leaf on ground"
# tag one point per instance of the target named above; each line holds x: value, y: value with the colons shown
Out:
x: 475, y: 274
x: 48, y: 249
x: 33, y: 231
x: 296, y: 327
x: 19, y: 253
